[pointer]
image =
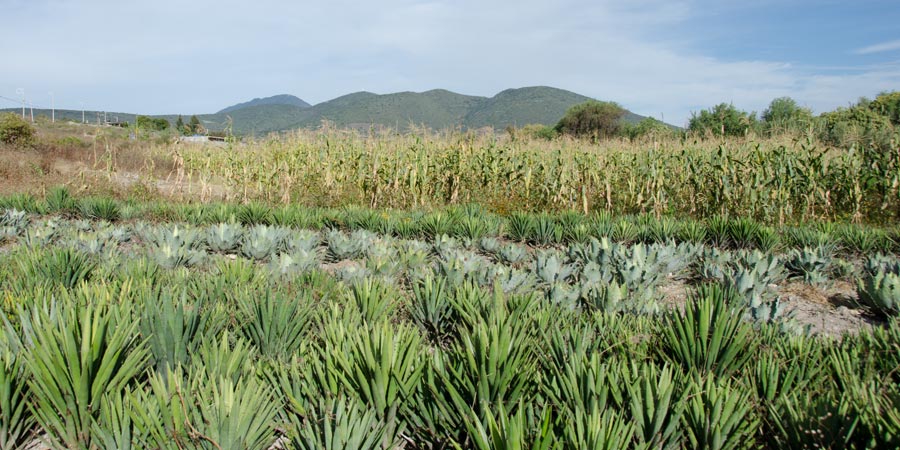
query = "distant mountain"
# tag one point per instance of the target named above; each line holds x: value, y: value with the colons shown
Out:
x: 436, y: 109
x: 283, y: 99
x: 518, y: 107
x: 439, y: 109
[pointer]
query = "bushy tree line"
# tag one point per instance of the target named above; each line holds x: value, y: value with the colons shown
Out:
x: 872, y: 122
x: 152, y: 123
x: 192, y: 127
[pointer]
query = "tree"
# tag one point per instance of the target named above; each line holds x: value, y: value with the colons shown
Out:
x: 15, y: 131
x: 868, y: 121
x: 179, y: 124
x: 784, y: 114
x: 194, y: 126
x: 722, y: 120
x: 151, y: 123
x: 592, y: 118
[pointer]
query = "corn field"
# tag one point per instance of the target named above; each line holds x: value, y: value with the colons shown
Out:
x: 225, y: 326
x: 773, y: 181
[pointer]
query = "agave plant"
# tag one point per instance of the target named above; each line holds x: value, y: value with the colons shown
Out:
x: 14, y: 218
x: 545, y: 230
x: 611, y: 297
x: 374, y: 300
x: 550, y: 268
x: 17, y: 424
x: 41, y: 234
x: 174, y: 327
x: 414, y: 255
x: 341, y: 424
x: 276, y: 325
x: 306, y: 240
x: 58, y: 267
x: 382, y: 368
x: 170, y: 256
x: 435, y: 224
x: 93, y: 244
x: 301, y: 261
x: 472, y: 227
x: 254, y: 214
x: 59, y: 201
x: 262, y: 241
x: 513, y: 254
x: 77, y: 354
x: 720, y: 417
x: 179, y: 410
x: 519, y: 226
x: 879, y: 287
x: 224, y: 237
x: 711, y: 337
x: 341, y: 246
x: 382, y: 259
x: 656, y: 406
x: 500, y: 430
x: 430, y: 308
x: 489, y: 245
x: 102, y: 208
x: 743, y: 232
x: 811, y: 264
x: 459, y: 265
x: 598, y: 429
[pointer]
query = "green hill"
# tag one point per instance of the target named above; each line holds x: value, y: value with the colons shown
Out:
x: 436, y: 109
x: 518, y: 107
x: 283, y: 99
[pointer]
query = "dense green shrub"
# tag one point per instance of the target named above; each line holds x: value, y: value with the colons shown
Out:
x: 15, y: 131
x: 592, y: 118
x: 722, y: 120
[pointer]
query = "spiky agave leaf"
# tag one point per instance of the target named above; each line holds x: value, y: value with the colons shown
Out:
x: 224, y: 237
x: 197, y: 411
x: 372, y: 298
x: 276, y: 324
x: 17, y: 424
x: 262, y: 241
x: 720, y: 417
x: 597, y: 429
x: 430, y: 308
x: 499, y: 430
x: 63, y: 267
x: 77, y: 353
x: 879, y: 286
x: 656, y: 405
x: 711, y: 337
x: 341, y: 424
x: 174, y: 328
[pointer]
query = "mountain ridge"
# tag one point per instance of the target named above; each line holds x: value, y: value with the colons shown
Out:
x: 434, y: 108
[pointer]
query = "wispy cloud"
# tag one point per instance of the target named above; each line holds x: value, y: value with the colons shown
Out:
x: 138, y: 56
x: 879, y: 48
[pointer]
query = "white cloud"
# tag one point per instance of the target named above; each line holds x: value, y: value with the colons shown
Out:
x: 161, y: 57
x: 879, y: 48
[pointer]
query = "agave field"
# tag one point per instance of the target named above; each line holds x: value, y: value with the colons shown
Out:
x: 223, y: 326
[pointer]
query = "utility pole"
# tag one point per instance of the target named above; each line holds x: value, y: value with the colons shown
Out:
x: 52, y: 109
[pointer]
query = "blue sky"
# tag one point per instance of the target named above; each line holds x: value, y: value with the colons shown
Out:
x: 655, y: 57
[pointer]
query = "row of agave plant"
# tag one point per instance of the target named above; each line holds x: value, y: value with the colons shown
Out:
x: 115, y: 351
x: 597, y: 274
x: 473, y: 222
